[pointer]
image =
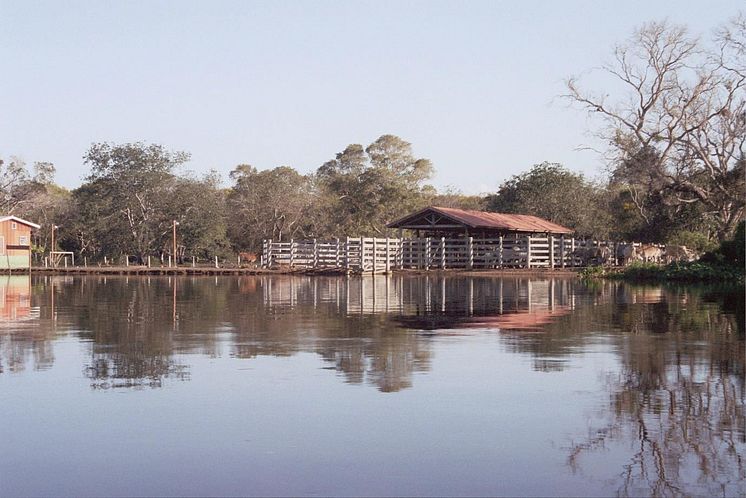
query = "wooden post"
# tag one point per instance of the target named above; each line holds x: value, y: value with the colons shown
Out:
x: 148, y: 261
x: 105, y: 261
x: 337, y: 262
x: 528, y: 250
x: 427, y: 253
x: 169, y: 261
x: 442, y: 253
x: 126, y: 260
x: 470, y: 253
x: 315, y: 254
x: 292, y: 252
x: 362, y: 254
x: 193, y: 262
x: 66, y: 261
x: 347, y: 254
x: 551, y: 251
x: 216, y: 262
x: 572, y: 251
x: 388, y: 257
x: 375, y: 254
x: 562, y: 250
x: 85, y: 261
x: 500, y: 252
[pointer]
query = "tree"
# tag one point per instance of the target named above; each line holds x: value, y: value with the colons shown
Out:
x: 267, y: 204
x: 363, y: 189
x: 676, y: 131
x: 129, y: 188
x: 453, y: 198
x: 553, y: 192
x: 198, y: 205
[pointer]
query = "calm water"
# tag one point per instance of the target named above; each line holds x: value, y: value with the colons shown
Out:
x: 369, y: 386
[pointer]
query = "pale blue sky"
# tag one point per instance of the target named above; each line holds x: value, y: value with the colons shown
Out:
x: 472, y: 85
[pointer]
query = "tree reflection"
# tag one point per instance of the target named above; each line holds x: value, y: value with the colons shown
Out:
x: 679, y: 395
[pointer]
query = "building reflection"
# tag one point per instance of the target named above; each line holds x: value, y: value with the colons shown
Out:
x: 21, y: 340
x: 675, y: 393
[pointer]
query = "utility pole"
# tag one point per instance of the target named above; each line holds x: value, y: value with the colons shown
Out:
x: 174, y: 238
x: 51, y: 251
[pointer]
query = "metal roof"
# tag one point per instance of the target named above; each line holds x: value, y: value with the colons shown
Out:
x: 482, y: 219
x: 19, y: 220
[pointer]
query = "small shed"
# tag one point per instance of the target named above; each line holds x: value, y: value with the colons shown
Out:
x: 15, y: 242
x: 437, y: 221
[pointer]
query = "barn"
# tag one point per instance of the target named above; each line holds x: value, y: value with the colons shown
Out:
x: 15, y: 243
x: 460, y: 238
x: 446, y: 222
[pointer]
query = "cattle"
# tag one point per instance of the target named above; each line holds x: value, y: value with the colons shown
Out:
x: 650, y: 254
x: 593, y: 255
x: 677, y: 253
x: 626, y: 253
x: 247, y: 257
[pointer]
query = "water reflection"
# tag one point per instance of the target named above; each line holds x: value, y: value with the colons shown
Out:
x: 672, y: 396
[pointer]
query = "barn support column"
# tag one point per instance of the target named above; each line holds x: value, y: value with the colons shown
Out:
x: 442, y: 253
x: 427, y: 253
x: 551, y: 251
x: 470, y: 253
x: 528, y: 251
x: 562, y: 250
x: 572, y: 251
x: 500, y: 252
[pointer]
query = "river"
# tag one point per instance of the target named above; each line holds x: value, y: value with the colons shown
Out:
x: 398, y: 385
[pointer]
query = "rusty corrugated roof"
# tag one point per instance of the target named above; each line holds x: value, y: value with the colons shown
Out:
x: 488, y: 220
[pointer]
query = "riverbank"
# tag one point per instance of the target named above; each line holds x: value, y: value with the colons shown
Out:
x: 188, y: 270
x: 684, y: 272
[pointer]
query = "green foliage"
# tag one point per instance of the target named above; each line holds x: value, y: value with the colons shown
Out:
x: 697, y: 241
x: 555, y: 193
x: 267, y: 204
x: 361, y: 190
x: 591, y: 272
x: 696, y: 271
x: 731, y: 252
x: 131, y: 199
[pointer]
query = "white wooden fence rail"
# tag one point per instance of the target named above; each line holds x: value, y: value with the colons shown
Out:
x: 381, y: 255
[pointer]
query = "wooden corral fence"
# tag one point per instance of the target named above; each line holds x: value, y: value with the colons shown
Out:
x: 380, y: 255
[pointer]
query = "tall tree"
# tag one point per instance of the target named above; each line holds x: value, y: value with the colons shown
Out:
x: 365, y: 189
x: 557, y: 194
x: 682, y: 107
x: 131, y: 185
x: 267, y: 204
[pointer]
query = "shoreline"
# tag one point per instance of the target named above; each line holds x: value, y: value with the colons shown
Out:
x: 207, y: 271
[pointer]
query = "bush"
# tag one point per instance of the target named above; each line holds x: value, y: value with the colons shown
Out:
x: 731, y: 252
x: 696, y: 271
x: 696, y: 241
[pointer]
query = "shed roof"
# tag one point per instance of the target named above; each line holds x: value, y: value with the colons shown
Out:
x: 19, y: 220
x: 432, y: 217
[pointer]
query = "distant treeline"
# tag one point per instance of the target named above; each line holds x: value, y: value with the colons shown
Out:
x: 675, y: 131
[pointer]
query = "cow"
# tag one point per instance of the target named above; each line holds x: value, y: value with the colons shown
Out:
x: 626, y: 253
x: 593, y: 255
x: 677, y: 253
x: 650, y: 253
x: 247, y: 257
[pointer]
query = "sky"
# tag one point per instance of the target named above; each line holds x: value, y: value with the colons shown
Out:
x: 474, y: 86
